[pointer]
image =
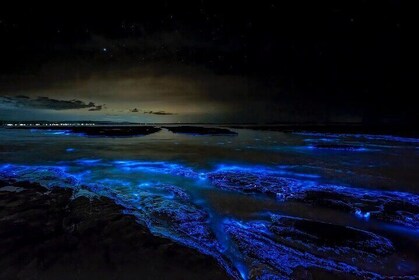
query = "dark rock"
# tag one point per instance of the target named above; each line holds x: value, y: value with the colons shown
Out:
x: 169, y: 213
x: 44, y: 234
x: 395, y: 207
x: 47, y: 176
x: 199, y: 130
x: 336, y: 242
x: 254, y: 182
x: 266, y: 258
x: 178, y: 193
x: 281, y: 248
x: 164, y: 209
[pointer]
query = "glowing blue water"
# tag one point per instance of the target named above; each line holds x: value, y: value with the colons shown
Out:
x: 223, y: 199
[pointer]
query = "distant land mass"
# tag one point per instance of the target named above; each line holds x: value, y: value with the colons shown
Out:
x: 331, y: 127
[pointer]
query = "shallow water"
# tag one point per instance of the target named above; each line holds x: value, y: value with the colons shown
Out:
x: 220, y: 194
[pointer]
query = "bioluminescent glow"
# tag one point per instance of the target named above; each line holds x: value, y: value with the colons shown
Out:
x: 268, y: 258
x: 337, y: 148
x: 54, y: 132
x: 361, y: 202
x: 332, y: 136
x: 88, y: 162
x: 179, y: 212
x: 277, y: 170
x: 157, y: 167
x: 258, y: 140
x: 362, y: 215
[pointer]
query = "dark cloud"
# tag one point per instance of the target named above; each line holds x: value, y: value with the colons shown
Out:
x: 268, y: 63
x: 162, y: 113
x: 97, y: 108
x: 43, y: 102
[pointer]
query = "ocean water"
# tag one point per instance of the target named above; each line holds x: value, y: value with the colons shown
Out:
x: 263, y: 204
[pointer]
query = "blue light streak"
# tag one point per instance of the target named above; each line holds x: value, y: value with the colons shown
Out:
x: 172, y: 211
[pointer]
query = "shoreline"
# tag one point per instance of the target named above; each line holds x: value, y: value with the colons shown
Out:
x: 129, y: 130
x: 46, y: 234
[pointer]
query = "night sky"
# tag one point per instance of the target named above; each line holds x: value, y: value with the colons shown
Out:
x: 210, y: 61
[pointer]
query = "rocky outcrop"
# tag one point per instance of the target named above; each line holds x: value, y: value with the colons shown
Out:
x: 46, y: 234
x: 200, y: 130
x: 388, y: 206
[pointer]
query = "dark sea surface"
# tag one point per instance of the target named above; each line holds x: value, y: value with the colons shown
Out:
x: 263, y: 204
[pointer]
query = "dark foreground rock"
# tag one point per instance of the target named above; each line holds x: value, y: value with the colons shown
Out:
x: 393, y: 207
x: 199, y: 130
x: 46, y: 234
x: 340, y: 243
x: 268, y: 259
x: 168, y: 211
x: 107, y: 131
x: 284, y: 247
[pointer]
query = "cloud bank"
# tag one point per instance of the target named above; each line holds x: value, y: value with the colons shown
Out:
x: 43, y: 102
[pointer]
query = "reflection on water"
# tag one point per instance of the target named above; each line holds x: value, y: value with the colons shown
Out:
x: 234, y: 197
